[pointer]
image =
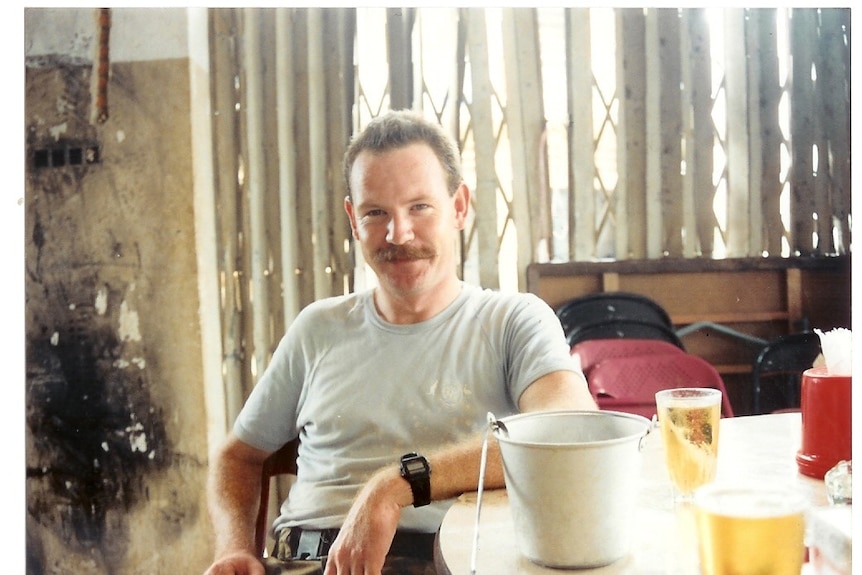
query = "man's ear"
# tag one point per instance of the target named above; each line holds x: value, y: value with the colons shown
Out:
x: 351, y: 216
x: 461, y: 201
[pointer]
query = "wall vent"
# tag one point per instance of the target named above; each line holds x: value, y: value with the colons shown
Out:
x: 66, y: 156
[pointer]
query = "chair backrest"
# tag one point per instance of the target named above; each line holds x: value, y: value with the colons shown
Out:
x: 279, y: 462
x: 591, y: 352
x: 780, y: 365
x: 623, y: 329
x: 630, y: 383
x: 609, y: 306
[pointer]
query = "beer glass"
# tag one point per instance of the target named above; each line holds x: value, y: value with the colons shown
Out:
x: 749, y: 530
x: 688, y: 418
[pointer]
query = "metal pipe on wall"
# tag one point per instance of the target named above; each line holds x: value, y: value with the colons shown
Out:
x: 286, y: 161
x: 317, y: 158
x: 256, y: 187
x: 225, y: 143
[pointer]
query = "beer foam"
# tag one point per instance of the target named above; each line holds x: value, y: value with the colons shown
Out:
x: 748, y: 501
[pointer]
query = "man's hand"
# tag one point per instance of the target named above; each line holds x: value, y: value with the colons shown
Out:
x: 367, y: 532
x: 239, y: 563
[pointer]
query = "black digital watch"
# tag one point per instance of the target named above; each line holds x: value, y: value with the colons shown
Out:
x: 417, y: 471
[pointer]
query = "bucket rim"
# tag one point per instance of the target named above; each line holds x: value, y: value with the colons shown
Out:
x: 647, y: 425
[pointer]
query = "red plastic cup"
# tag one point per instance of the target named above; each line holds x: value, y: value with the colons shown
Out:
x: 826, y: 421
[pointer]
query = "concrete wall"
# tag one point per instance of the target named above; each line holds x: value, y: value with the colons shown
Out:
x: 116, y: 428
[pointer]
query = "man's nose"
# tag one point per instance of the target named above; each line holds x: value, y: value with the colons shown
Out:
x: 400, y: 230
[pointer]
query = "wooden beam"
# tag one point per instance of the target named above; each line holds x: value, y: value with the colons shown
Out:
x: 765, y: 27
x: 582, y: 194
x: 834, y: 91
x: 399, y: 49
x: 730, y: 317
x: 526, y: 122
x: 653, y: 189
x: 698, y: 189
x: 754, y: 133
x: 802, y: 131
x: 670, y: 158
x: 485, y: 146
x: 794, y: 298
x: 631, y: 134
x: 738, y: 151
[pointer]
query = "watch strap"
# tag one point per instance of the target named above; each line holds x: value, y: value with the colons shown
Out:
x: 416, y: 470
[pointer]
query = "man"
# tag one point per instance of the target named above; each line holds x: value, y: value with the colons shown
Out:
x: 398, y: 376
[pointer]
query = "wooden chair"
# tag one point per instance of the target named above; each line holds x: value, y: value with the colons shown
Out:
x: 279, y: 462
x: 630, y: 383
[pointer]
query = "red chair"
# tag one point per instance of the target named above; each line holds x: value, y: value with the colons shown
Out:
x: 630, y: 383
x: 591, y: 352
x: 278, y: 463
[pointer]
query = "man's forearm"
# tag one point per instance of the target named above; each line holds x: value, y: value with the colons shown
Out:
x: 455, y: 470
x: 234, y: 496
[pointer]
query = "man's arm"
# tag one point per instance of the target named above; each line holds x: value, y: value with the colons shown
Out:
x: 373, y: 519
x: 455, y: 470
x: 233, y: 492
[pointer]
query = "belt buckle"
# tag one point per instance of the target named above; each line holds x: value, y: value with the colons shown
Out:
x: 308, y: 546
x: 314, y: 544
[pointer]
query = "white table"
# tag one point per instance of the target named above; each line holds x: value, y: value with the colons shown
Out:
x: 760, y: 448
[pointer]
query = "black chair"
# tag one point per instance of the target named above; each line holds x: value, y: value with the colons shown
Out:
x: 623, y: 328
x: 777, y: 371
x: 611, y: 306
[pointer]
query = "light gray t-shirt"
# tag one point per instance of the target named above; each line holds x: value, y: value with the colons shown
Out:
x: 361, y: 392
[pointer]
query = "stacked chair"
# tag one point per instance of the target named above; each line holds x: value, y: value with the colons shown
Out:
x: 618, y: 315
x: 777, y: 371
x: 626, y: 347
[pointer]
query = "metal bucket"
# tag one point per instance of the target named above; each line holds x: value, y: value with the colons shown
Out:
x: 573, y: 479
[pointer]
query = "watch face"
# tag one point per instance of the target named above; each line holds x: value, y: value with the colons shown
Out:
x: 414, y: 466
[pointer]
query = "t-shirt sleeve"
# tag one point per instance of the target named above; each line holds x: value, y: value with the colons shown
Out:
x: 268, y: 419
x: 535, y: 344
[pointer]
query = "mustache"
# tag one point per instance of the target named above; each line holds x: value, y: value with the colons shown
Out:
x: 396, y: 253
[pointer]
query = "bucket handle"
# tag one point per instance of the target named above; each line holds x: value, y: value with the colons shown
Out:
x: 493, y: 426
x: 653, y: 424
x: 496, y: 425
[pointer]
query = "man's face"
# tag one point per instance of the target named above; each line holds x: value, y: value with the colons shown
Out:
x: 404, y: 218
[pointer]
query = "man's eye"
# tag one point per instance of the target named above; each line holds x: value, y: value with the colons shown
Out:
x: 421, y: 206
x: 374, y: 213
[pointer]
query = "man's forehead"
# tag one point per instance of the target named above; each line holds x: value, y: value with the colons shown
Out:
x: 418, y: 158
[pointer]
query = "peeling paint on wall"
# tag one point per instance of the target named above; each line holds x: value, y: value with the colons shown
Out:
x: 128, y: 330
x: 101, y: 301
x: 98, y: 434
x: 58, y: 131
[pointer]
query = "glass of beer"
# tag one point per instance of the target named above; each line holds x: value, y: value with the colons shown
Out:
x: 688, y: 418
x: 749, y: 530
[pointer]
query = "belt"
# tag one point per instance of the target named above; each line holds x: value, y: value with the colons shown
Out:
x: 315, y: 543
